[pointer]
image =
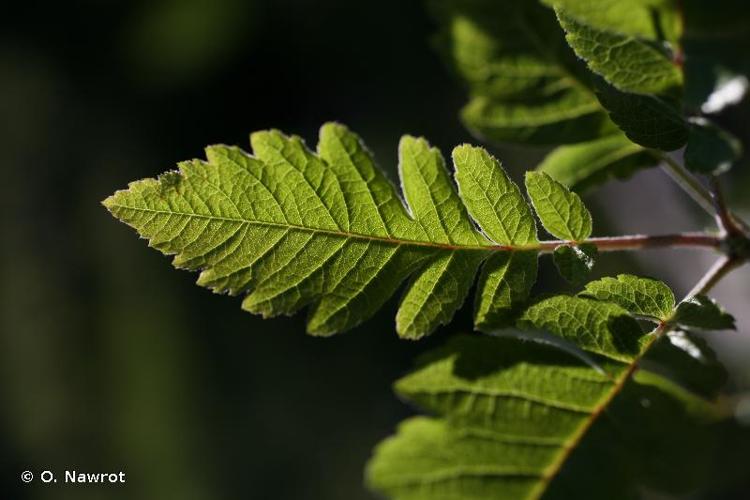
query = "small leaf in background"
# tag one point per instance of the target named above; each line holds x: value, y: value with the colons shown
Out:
x: 710, y: 149
x: 504, y: 286
x: 561, y: 212
x: 600, y: 327
x: 589, y: 164
x: 628, y: 63
x: 648, y: 19
x: 642, y: 297
x: 703, y: 313
x: 525, y: 83
x: 647, y: 120
x: 688, y: 360
x: 574, y: 263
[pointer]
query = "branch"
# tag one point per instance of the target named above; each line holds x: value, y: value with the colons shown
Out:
x: 688, y: 183
x: 728, y: 222
x: 640, y: 241
x: 716, y: 273
x: 698, y: 192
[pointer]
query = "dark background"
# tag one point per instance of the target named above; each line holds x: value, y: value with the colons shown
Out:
x: 111, y: 360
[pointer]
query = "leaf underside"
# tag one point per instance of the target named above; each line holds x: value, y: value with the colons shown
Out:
x: 291, y: 228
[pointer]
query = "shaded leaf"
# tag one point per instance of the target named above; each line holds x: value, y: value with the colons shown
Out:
x: 562, y: 212
x: 688, y: 360
x: 586, y: 165
x: 524, y: 420
x: 638, y: 83
x: 504, y: 286
x: 525, y: 84
x: 647, y: 120
x: 703, y: 313
x: 710, y: 149
x: 600, y: 327
x: 574, y: 263
x: 642, y: 297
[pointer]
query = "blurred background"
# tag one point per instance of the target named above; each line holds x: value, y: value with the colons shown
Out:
x: 111, y: 360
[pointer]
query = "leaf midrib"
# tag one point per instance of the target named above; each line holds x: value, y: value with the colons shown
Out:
x: 330, y: 232
x: 556, y: 466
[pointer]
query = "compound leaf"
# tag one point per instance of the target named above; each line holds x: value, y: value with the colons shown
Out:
x: 291, y: 228
x: 525, y: 420
x: 562, y: 212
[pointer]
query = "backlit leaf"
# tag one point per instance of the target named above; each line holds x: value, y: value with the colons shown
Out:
x: 643, y: 297
x: 290, y: 228
x: 562, y: 212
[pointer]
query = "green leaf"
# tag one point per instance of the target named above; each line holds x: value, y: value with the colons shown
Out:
x: 638, y: 82
x: 649, y: 19
x: 687, y: 360
x: 504, y: 286
x: 567, y: 116
x: 562, y: 212
x: 586, y: 165
x: 642, y: 297
x: 703, y: 313
x: 710, y: 149
x: 525, y: 420
x: 491, y: 198
x: 600, y: 327
x: 525, y: 84
x: 290, y: 229
x: 647, y: 120
x: 630, y: 64
x: 574, y: 263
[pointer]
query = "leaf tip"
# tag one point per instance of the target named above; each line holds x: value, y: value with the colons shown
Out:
x: 108, y: 202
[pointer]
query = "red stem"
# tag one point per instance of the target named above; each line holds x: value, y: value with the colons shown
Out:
x: 640, y: 241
